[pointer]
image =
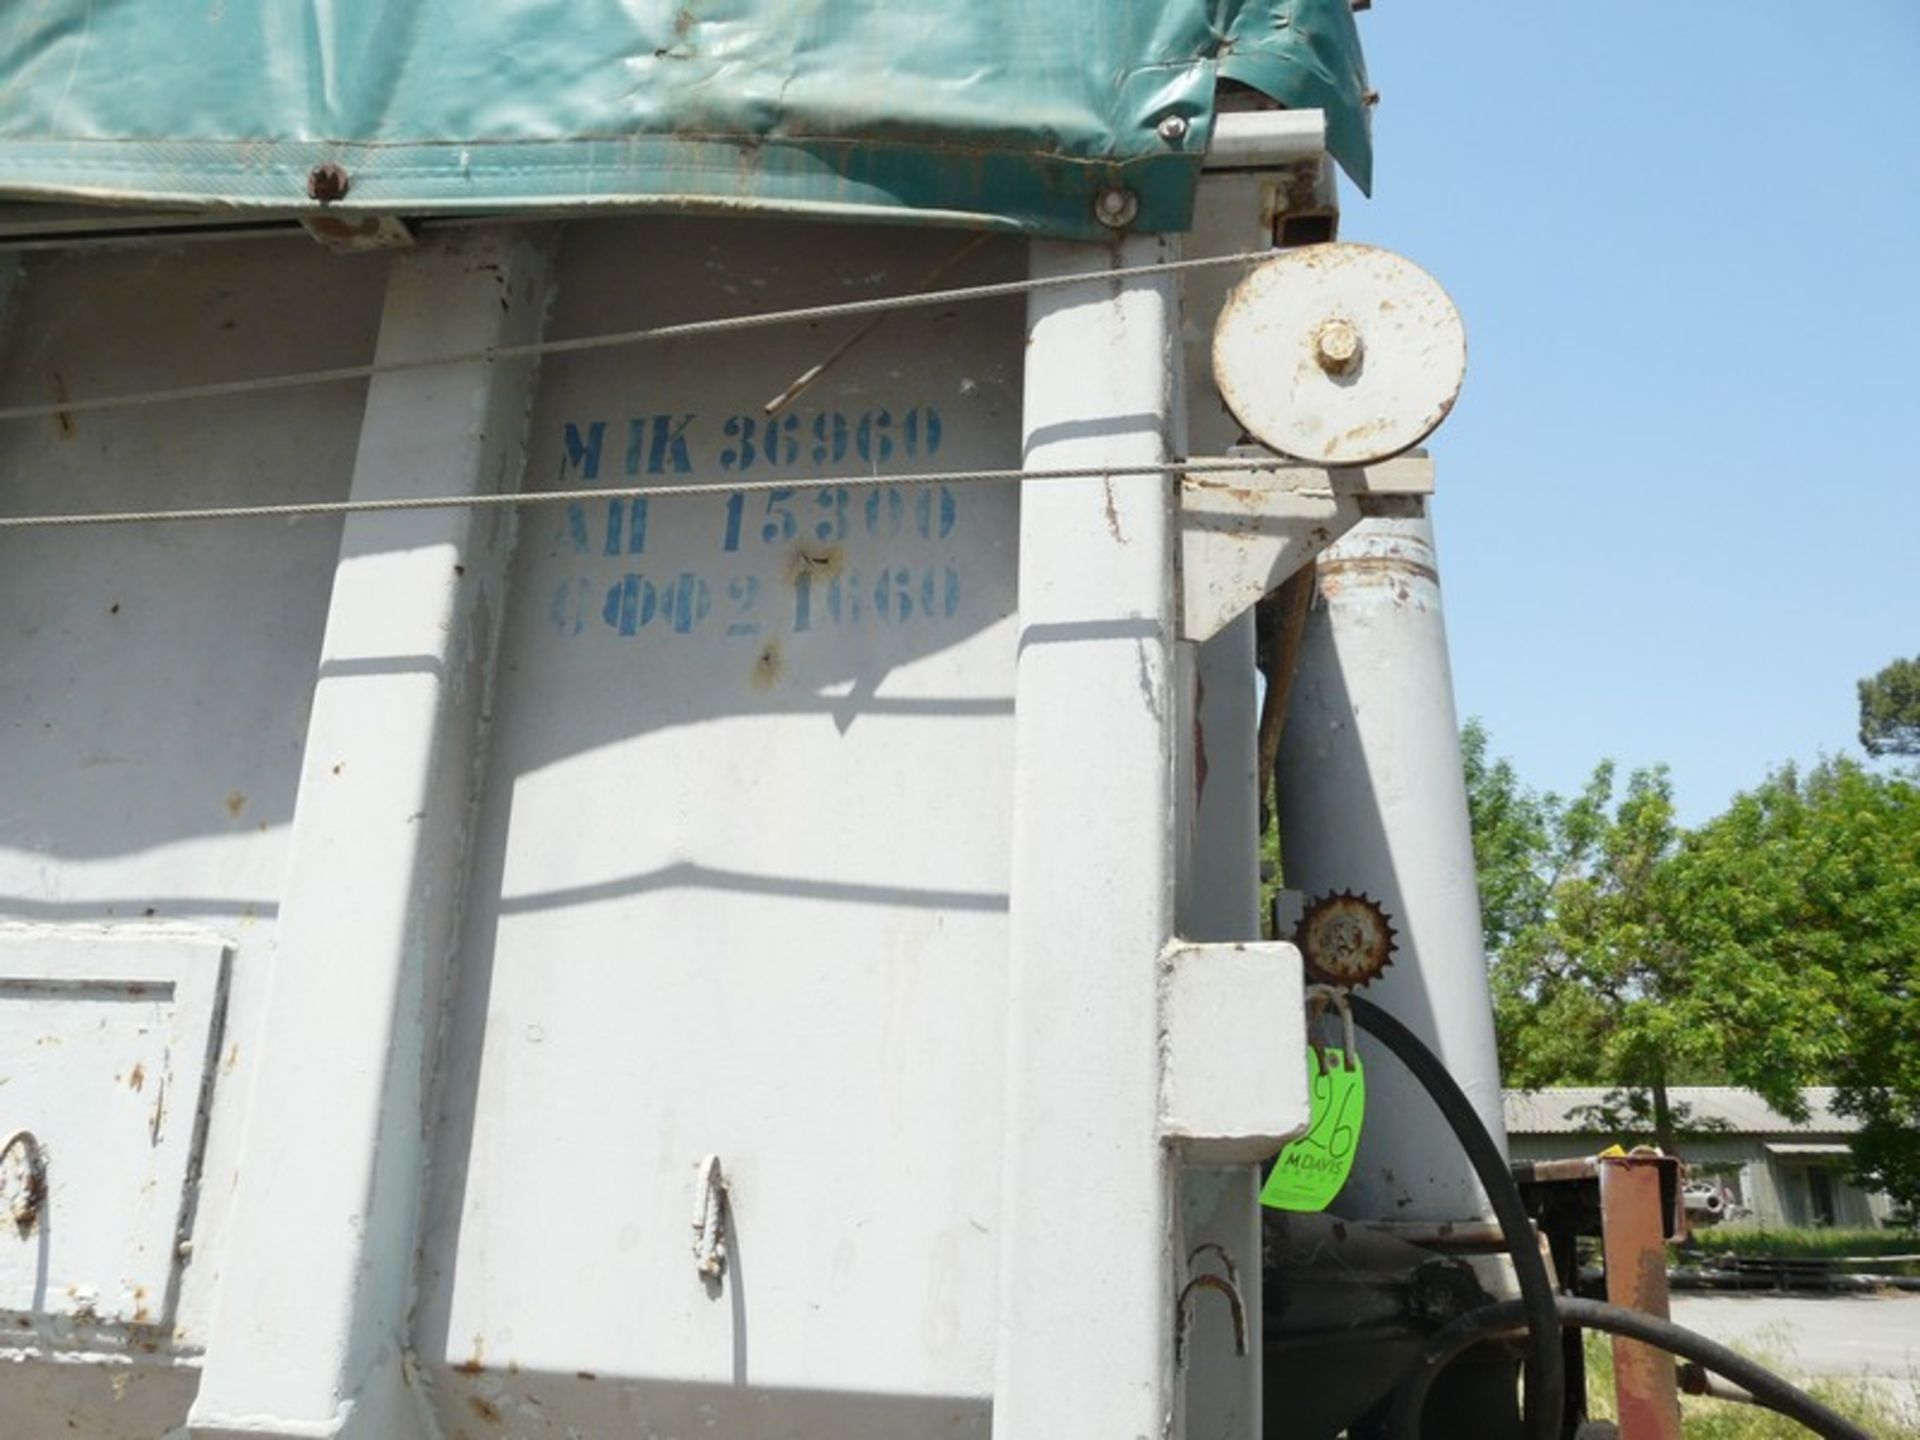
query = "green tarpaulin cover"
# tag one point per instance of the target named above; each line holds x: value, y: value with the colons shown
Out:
x: 1007, y: 113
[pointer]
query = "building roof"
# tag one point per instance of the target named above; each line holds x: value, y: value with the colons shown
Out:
x: 1723, y: 1108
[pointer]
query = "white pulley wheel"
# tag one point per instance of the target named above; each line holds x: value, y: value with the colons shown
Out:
x: 1339, y: 354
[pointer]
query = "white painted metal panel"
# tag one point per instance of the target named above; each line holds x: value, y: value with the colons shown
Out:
x: 315, y: 1334
x: 741, y: 877
x: 105, y: 1041
x: 718, y: 859
x: 154, y: 690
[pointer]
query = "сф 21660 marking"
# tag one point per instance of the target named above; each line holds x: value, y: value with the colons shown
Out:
x: 689, y: 602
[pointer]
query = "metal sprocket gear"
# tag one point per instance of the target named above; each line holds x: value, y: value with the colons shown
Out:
x: 1345, y: 939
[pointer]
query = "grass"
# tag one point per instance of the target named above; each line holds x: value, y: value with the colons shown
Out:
x: 1805, y: 1244
x: 1873, y: 1407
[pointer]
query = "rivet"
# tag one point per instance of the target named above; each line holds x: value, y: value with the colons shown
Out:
x: 327, y: 183
x: 1172, y: 129
x: 1115, y: 207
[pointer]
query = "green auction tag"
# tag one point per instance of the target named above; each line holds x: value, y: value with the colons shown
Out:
x: 1310, y: 1171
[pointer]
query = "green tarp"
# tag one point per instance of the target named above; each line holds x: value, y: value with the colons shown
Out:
x: 1007, y: 113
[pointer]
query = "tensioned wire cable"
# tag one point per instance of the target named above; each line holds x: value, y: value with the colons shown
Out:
x: 879, y: 305
x: 297, y: 508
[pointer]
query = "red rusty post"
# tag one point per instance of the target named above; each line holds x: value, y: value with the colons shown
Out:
x: 1633, y: 1231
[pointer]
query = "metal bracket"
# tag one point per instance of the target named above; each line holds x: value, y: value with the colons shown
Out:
x: 23, y: 1180
x: 1241, y: 536
x: 1184, y: 1320
x: 1228, y: 1094
x: 710, y: 1219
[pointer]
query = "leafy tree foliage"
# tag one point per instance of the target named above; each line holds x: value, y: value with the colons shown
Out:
x: 1890, y: 710
x: 1586, y: 978
x: 1803, y: 910
x: 1774, y: 947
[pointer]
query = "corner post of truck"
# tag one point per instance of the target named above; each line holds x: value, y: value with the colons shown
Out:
x: 1086, y: 1262
x: 311, y: 1320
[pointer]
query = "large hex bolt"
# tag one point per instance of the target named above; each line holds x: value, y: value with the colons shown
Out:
x: 1336, y: 347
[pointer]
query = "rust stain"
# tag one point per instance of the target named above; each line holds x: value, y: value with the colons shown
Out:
x: 236, y: 802
x: 334, y: 227
x: 1392, y: 566
x: 233, y: 1058
x: 822, y: 562
x: 768, y: 666
x: 484, y: 1408
x: 476, y: 1363
x: 138, y: 1079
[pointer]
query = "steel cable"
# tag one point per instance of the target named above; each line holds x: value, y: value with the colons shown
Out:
x: 513, y: 499
x: 718, y: 325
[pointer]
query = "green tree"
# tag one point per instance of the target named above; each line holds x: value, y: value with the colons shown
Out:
x: 1774, y: 947
x: 1890, y: 710
x: 1510, y: 841
x: 1588, y: 985
x: 1800, y: 914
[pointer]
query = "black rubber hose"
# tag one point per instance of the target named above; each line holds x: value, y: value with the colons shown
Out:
x: 1546, y: 1365
x: 1767, y: 1388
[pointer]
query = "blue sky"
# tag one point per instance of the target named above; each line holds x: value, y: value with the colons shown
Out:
x: 1679, y: 503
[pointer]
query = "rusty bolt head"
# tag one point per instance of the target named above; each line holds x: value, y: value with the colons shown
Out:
x: 1115, y: 207
x: 1173, y: 129
x: 1336, y: 347
x: 327, y: 183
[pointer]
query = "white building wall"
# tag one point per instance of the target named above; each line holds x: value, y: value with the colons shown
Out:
x: 1772, y: 1188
